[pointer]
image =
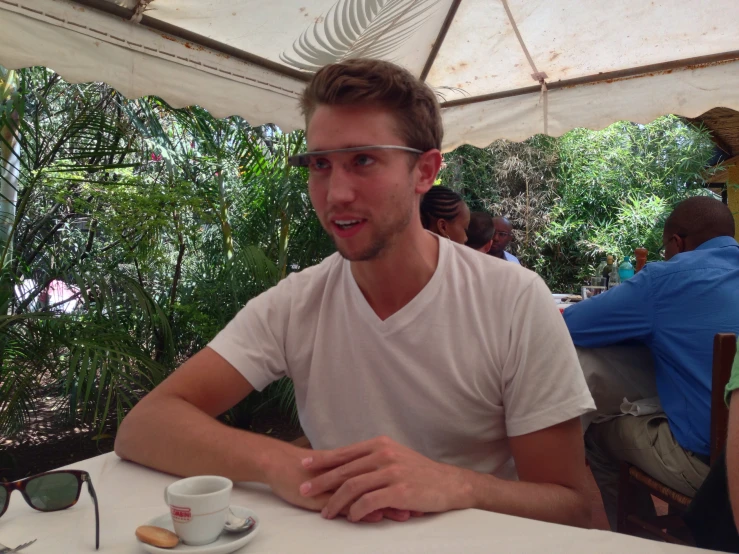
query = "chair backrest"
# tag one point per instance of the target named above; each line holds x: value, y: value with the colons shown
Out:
x: 724, y: 350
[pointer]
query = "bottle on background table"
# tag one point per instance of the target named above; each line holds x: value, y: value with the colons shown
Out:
x: 608, y: 273
x: 641, y: 258
x: 625, y: 270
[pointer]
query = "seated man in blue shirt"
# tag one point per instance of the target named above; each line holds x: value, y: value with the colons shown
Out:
x: 674, y: 308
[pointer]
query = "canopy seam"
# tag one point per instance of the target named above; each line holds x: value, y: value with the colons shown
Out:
x: 536, y: 75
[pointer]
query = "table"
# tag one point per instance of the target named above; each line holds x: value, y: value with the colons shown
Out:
x: 563, y: 301
x: 130, y: 495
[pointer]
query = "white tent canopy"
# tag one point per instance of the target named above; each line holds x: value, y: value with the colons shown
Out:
x: 503, y: 68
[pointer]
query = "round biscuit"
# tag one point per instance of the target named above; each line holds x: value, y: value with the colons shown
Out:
x: 157, y: 536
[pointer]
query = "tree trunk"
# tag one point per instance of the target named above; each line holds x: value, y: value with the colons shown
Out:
x: 177, y: 274
x: 282, y: 247
x: 9, y: 166
x: 228, y: 242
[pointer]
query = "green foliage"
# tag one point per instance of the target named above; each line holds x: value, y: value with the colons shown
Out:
x: 575, y: 199
x: 70, y: 139
x: 162, y: 223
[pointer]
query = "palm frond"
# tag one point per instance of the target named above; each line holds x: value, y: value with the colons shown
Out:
x: 358, y: 28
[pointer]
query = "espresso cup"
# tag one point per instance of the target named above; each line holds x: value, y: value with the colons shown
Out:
x: 198, y: 506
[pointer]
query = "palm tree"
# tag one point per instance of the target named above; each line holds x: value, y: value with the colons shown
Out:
x: 60, y: 141
x: 138, y: 232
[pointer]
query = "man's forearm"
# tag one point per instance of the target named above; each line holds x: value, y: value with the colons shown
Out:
x: 540, y: 501
x: 171, y: 435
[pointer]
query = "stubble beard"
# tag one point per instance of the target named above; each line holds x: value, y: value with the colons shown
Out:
x: 382, y: 241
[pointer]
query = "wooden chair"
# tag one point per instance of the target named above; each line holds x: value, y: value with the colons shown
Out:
x: 670, y: 527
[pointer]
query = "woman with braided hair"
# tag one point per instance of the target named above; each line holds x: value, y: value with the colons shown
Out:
x: 445, y: 213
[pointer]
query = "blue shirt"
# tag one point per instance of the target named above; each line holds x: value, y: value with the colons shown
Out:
x: 511, y: 258
x: 675, y: 308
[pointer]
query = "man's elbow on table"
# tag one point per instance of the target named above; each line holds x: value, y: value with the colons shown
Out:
x: 551, y: 467
x: 581, y: 514
x: 148, y: 428
x: 181, y: 410
x: 132, y: 433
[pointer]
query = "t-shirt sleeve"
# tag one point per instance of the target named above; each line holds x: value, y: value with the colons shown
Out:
x: 254, y: 341
x: 733, y: 383
x: 542, y: 379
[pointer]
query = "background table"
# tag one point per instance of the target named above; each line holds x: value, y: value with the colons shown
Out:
x: 130, y: 495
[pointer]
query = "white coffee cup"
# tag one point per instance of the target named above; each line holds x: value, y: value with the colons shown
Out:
x: 198, y: 506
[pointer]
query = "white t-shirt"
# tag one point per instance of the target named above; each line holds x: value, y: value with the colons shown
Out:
x: 453, y: 374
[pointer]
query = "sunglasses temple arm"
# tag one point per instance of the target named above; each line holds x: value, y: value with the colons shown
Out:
x: 97, y: 514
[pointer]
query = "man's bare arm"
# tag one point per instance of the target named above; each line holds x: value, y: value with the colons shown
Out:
x: 380, y: 473
x: 174, y: 429
x: 552, y: 473
x: 732, y: 455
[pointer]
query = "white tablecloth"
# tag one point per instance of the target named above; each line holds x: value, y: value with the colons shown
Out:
x: 130, y: 495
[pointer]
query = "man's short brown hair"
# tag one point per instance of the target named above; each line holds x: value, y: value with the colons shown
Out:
x: 366, y: 82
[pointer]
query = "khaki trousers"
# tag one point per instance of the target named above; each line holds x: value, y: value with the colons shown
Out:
x: 619, y: 372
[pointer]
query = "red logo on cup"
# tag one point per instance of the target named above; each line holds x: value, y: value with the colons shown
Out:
x: 180, y: 514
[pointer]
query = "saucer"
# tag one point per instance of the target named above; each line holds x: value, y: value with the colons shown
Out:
x: 225, y: 543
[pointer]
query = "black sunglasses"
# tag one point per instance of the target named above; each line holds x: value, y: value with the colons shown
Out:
x: 661, y: 251
x: 51, y: 492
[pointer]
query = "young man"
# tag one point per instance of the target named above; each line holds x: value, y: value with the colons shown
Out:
x: 421, y: 389
x: 674, y: 309
x: 502, y: 236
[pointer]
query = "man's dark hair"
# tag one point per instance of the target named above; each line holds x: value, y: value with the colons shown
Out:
x: 368, y: 82
x: 699, y: 219
x: 440, y: 203
x: 481, y: 230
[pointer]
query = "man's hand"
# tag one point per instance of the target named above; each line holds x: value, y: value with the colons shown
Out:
x: 380, y: 474
x: 286, y: 473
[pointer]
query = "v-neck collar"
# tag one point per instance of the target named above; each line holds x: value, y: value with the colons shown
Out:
x: 412, y: 309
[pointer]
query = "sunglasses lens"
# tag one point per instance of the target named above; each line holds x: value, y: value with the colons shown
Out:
x: 52, y: 492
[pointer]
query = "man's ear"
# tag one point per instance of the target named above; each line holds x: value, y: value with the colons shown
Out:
x: 427, y: 166
x: 680, y: 243
x: 486, y: 248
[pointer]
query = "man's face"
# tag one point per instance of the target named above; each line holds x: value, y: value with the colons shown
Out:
x: 364, y: 200
x: 502, y: 236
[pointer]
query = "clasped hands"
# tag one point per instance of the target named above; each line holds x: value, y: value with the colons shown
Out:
x: 369, y: 481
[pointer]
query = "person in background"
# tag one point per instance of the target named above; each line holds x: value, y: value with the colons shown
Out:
x: 445, y: 213
x: 480, y: 231
x: 412, y: 403
x: 503, y: 235
x: 674, y: 309
x: 732, y: 445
